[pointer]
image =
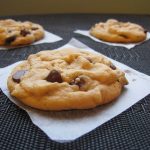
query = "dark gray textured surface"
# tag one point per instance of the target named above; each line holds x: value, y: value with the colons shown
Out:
x: 130, y: 130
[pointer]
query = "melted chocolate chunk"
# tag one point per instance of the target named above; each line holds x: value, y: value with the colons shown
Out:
x: 9, y: 31
x: 34, y: 28
x: 17, y: 76
x: 118, y: 80
x: 54, y: 76
x: 10, y: 39
x: 113, y: 67
x: 124, y: 36
x: 145, y: 31
x: 24, y: 32
x: 78, y: 81
x: 89, y: 59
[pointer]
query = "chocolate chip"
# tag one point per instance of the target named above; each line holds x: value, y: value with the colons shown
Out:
x: 113, y: 67
x: 10, y: 39
x: 34, y: 28
x: 17, y: 76
x: 145, y: 31
x: 54, y: 76
x: 124, y: 36
x: 89, y: 59
x: 24, y: 32
x: 78, y: 81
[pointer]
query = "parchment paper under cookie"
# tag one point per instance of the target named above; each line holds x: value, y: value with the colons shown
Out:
x: 49, y: 38
x: 128, y: 46
x: 65, y: 126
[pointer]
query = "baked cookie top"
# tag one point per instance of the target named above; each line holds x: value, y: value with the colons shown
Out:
x: 66, y: 79
x: 15, y: 33
x: 118, y: 32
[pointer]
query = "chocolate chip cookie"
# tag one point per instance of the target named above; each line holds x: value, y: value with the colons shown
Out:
x: 66, y: 79
x: 118, y: 32
x: 15, y: 33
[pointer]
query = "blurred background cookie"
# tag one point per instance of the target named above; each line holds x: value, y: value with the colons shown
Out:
x: 118, y: 32
x: 15, y: 33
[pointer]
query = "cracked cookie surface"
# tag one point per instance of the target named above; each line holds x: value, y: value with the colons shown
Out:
x: 15, y: 33
x: 118, y: 32
x: 66, y: 79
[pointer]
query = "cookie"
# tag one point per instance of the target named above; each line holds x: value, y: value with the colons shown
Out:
x: 15, y: 33
x: 118, y: 32
x: 66, y: 79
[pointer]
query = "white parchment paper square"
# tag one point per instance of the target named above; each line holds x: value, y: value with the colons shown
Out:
x: 128, y: 46
x: 48, y: 38
x: 66, y: 126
